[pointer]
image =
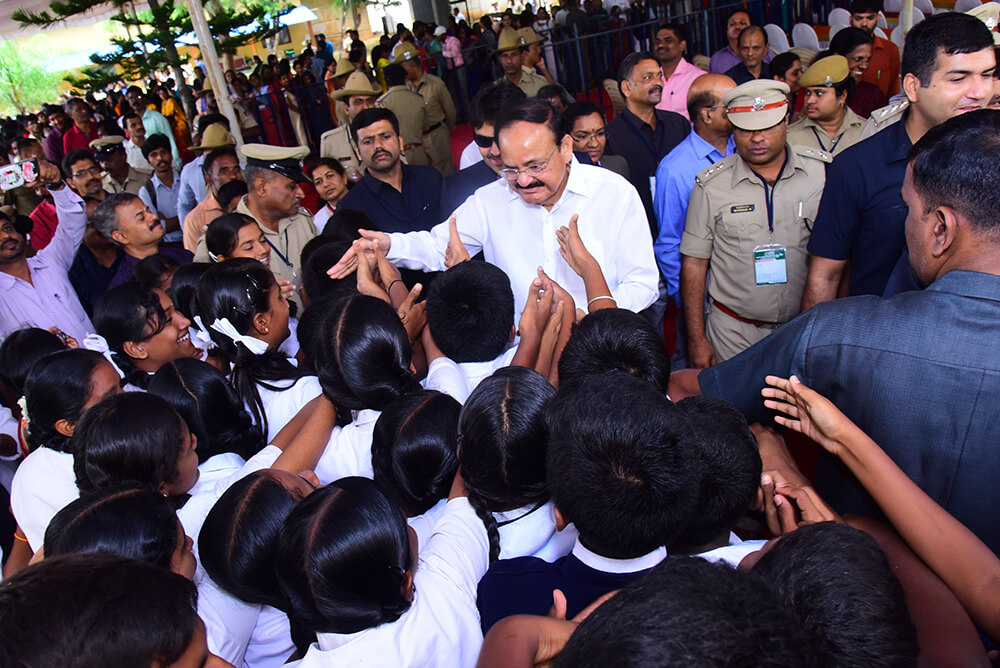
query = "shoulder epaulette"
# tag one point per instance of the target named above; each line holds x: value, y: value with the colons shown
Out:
x: 709, y: 173
x: 880, y: 116
x: 814, y: 153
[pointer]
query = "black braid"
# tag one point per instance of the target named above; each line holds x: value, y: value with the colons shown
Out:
x: 478, y: 504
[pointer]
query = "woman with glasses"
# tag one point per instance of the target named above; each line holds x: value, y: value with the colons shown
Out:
x: 584, y: 122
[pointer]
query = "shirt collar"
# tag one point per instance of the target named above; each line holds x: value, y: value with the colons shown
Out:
x: 682, y: 68
x: 705, y: 150
x: 607, y: 565
x: 742, y: 171
x: 157, y: 182
x: 897, y: 142
x: 282, y: 223
x: 638, y: 122
x: 969, y: 283
x: 576, y: 183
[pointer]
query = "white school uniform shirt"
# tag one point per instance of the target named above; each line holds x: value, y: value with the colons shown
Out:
x: 527, y: 533
x: 458, y: 380
x: 349, y: 450
x: 519, y: 237
x: 441, y: 626
x: 733, y: 553
x: 43, y: 485
x: 470, y: 156
x: 423, y: 525
x: 280, y: 406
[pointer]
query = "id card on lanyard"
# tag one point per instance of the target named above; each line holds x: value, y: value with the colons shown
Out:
x: 769, y: 260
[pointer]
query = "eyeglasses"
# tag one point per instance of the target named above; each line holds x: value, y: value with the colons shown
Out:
x: 584, y: 137
x: 511, y: 173
x: 84, y: 172
x: 483, y: 141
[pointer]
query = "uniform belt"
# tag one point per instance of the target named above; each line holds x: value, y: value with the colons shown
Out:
x: 407, y: 147
x: 433, y: 128
x: 733, y: 314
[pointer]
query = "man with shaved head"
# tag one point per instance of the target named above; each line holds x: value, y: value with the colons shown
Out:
x: 710, y: 142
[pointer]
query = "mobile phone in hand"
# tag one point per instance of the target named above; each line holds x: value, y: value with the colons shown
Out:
x: 18, y: 174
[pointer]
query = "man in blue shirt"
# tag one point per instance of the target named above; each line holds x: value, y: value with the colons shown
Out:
x: 947, y: 66
x: 919, y: 372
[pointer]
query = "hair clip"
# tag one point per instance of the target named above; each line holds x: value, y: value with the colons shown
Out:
x: 99, y: 344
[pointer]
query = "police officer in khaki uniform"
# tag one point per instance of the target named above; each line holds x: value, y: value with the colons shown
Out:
x: 749, y: 220
x: 409, y: 110
x: 829, y: 124
x: 110, y: 153
x: 344, y: 67
x: 441, y: 114
x: 273, y: 175
x: 359, y: 93
x: 510, y: 55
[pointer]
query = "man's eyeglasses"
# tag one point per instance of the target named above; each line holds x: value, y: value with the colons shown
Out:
x: 84, y: 172
x: 483, y: 141
x: 535, y: 169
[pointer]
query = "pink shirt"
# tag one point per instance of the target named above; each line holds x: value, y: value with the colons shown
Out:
x: 675, y: 89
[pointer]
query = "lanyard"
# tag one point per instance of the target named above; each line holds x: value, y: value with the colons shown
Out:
x: 284, y: 257
x: 820, y: 141
x: 769, y: 193
x: 649, y: 147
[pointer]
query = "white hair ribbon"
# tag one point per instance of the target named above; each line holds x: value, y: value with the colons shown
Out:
x: 224, y: 327
x: 99, y: 344
x: 200, y: 333
x: 23, y: 404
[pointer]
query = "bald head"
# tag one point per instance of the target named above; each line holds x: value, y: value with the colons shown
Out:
x: 706, y: 92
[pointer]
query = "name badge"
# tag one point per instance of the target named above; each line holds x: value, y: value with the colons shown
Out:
x: 769, y: 264
x: 741, y: 208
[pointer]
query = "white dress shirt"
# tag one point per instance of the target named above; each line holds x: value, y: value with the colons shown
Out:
x: 49, y: 300
x: 470, y: 156
x: 441, y: 628
x: 519, y: 237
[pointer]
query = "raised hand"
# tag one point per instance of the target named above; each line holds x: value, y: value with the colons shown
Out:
x: 414, y: 316
x: 456, y: 251
x: 787, y: 506
x: 368, y: 282
x: 572, y: 249
x: 806, y: 411
x: 349, y: 260
x: 287, y: 288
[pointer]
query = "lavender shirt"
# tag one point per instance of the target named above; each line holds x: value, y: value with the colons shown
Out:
x: 725, y: 59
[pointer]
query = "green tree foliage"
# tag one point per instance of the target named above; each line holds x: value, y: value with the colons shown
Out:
x: 25, y: 82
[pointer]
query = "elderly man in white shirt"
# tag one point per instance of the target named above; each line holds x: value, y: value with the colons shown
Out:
x: 514, y: 220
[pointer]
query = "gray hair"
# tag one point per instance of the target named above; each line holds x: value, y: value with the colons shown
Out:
x: 253, y: 173
x: 105, y: 218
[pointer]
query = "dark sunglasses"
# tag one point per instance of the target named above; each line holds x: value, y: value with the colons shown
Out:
x: 482, y: 141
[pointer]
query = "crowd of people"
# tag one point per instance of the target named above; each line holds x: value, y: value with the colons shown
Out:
x: 547, y: 389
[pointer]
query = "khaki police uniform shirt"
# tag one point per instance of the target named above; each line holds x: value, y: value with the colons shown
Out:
x: 727, y: 219
x: 293, y: 233
x: 409, y: 110
x: 437, y: 101
x: 807, y: 132
x: 530, y: 82
x: 134, y: 182
x: 337, y: 144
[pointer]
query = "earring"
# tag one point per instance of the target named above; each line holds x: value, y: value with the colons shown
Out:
x: 267, y: 329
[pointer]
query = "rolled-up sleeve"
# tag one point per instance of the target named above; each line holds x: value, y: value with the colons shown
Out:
x: 699, y: 235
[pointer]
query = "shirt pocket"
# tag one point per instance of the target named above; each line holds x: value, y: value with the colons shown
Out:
x: 743, y: 229
x: 805, y: 218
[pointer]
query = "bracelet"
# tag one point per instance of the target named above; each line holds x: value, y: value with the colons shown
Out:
x: 389, y: 289
x: 21, y: 538
x: 597, y: 299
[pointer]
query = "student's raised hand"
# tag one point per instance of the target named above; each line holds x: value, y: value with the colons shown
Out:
x: 368, y: 283
x: 413, y: 316
x: 561, y: 295
x: 349, y: 260
x: 806, y: 411
x: 287, y: 288
x: 388, y: 273
x: 456, y: 252
x: 787, y: 506
x: 572, y: 249
x: 537, y: 310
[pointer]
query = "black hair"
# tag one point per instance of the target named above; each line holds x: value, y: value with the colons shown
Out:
x: 730, y: 463
x: 129, y: 520
x: 530, y: 110
x: 555, y: 91
x: 865, y: 6
x: 83, y: 610
x: 843, y: 589
x: 363, y: 356
x: 845, y: 41
x: 209, y: 406
x: 679, y: 30
x: 239, y: 289
x: 783, y: 62
x: 342, y: 559
x: 368, y: 117
x: 345, y: 223
x: 109, y: 128
x: 751, y: 29
x: 129, y: 312
x: 19, y: 352
x: 57, y: 388
x: 155, y: 141
x: 576, y: 111
x: 955, y: 164
x: 222, y: 234
x: 239, y: 538
x: 395, y: 74
x: 150, y: 271
x: 738, y: 10
x: 628, y: 65
x: 689, y: 612
x: 470, y: 310
x: 621, y: 464
x: 485, y: 107
x: 74, y: 156
x: 503, y: 439
x: 183, y: 286
x: 414, y: 449
x: 950, y: 32
x: 229, y: 192
x: 132, y: 436
x: 616, y: 339
x: 318, y: 255
x: 310, y: 331
x: 215, y: 154
x: 331, y: 163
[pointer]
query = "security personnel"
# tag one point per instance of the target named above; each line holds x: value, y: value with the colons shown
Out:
x: 510, y: 55
x: 344, y: 67
x: 749, y: 220
x: 441, y: 114
x: 829, y: 124
x: 409, y: 109
x: 273, y: 175
x: 359, y: 93
x: 119, y: 176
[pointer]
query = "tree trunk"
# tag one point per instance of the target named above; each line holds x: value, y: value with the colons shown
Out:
x: 174, y: 59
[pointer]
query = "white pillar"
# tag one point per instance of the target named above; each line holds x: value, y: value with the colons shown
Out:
x: 212, y: 68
